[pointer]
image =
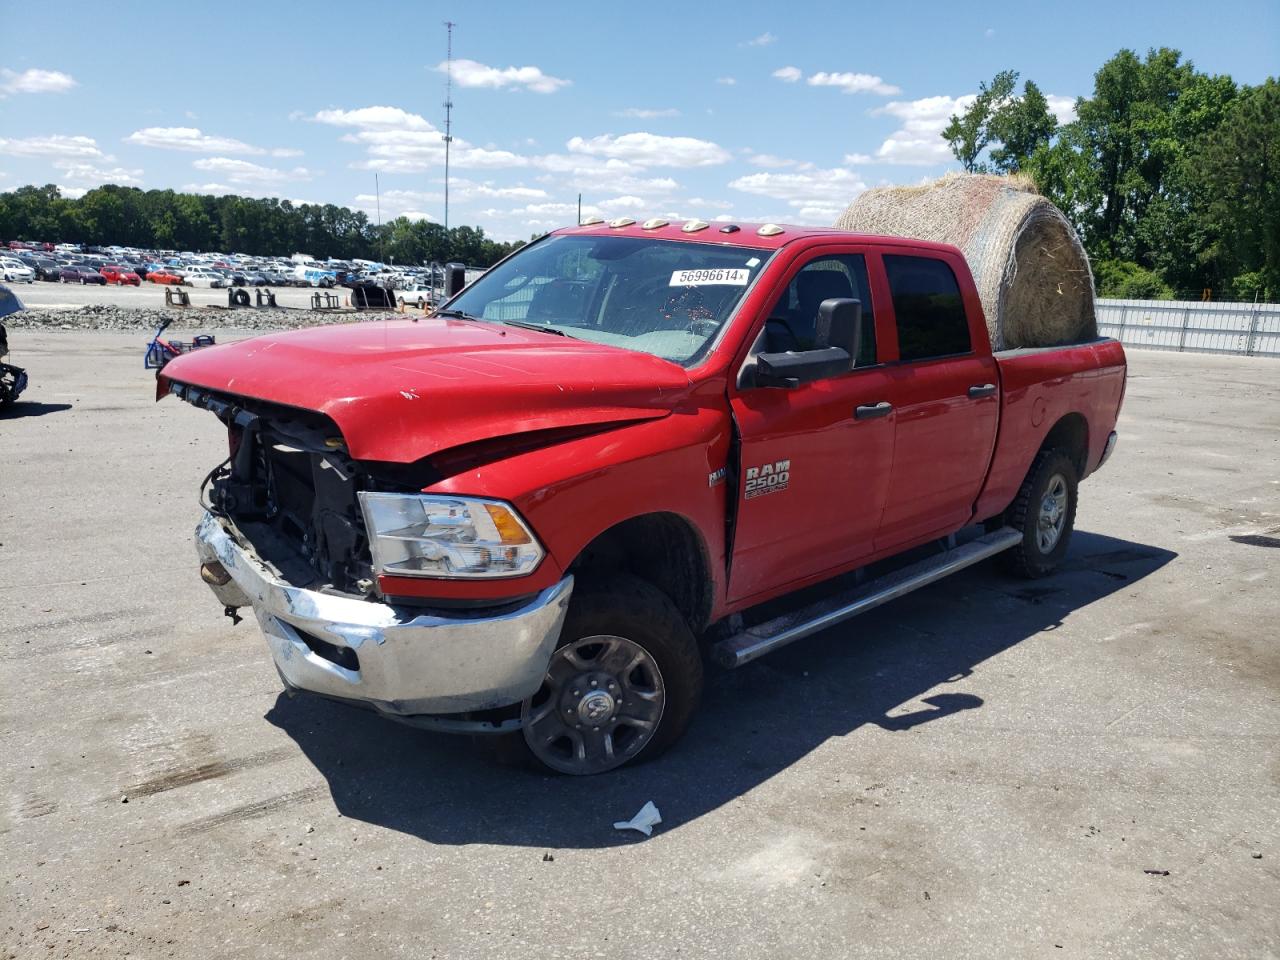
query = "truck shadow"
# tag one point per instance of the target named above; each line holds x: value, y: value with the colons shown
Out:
x: 883, y: 669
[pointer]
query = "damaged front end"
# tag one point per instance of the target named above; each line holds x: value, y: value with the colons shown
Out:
x: 285, y: 535
x: 290, y: 489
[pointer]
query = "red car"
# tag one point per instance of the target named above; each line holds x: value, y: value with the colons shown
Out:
x: 521, y: 514
x: 120, y: 275
x: 165, y: 275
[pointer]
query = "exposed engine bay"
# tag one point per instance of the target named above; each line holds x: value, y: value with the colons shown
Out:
x: 290, y: 489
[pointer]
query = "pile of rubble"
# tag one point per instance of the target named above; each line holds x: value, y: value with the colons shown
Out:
x: 102, y: 317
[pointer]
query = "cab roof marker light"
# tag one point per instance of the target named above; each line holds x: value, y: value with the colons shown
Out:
x: 693, y: 226
x: 769, y: 230
x: 621, y: 222
x: 590, y: 221
x: 730, y: 228
x: 654, y: 224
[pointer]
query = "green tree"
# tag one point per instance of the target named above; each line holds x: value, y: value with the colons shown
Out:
x: 1021, y: 125
x: 1240, y: 160
x: 970, y: 133
x: 1007, y: 127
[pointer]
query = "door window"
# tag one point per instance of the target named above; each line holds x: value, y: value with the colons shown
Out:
x: 928, y: 308
x: 793, y: 320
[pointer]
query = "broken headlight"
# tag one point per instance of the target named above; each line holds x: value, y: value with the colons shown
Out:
x: 416, y: 535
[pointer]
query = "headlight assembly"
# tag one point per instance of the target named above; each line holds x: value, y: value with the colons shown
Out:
x: 416, y: 535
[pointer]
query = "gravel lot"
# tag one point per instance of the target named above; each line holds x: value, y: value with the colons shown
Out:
x: 991, y: 768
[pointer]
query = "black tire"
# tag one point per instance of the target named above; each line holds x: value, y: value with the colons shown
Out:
x: 1039, y: 553
x: 634, y: 611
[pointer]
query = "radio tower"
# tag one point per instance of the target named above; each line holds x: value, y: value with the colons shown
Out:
x: 448, y: 118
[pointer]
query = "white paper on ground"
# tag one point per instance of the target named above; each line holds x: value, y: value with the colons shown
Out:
x: 644, y: 821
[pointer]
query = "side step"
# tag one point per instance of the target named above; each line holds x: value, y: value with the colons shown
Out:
x: 766, y: 637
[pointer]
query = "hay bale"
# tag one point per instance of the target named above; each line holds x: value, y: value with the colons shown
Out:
x: 1031, y: 270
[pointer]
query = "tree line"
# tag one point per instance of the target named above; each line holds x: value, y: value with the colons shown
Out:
x: 1171, y: 175
x: 167, y: 220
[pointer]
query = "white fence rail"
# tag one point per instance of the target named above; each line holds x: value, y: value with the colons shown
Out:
x: 1250, y: 329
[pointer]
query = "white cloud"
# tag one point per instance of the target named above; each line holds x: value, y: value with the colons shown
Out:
x: 56, y: 145
x: 72, y: 193
x: 727, y: 81
x: 466, y: 190
x: 470, y: 73
x: 397, y: 141
x: 373, y: 118
x: 194, y: 140
x: 627, y: 202
x: 244, y: 172
x: 788, y: 74
x: 763, y: 40
x: 599, y: 175
x: 1064, y: 108
x: 919, y: 140
x: 77, y: 172
x: 398, y: 203
x: 703, y: 203
x: 833, y: 185
x: 35, y: 81
x: 652, y: 150
x: 854, y: 83
x: 642, y: 113
x: 771, y: 162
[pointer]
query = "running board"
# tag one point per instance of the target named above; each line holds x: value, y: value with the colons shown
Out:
x: 766, y: 637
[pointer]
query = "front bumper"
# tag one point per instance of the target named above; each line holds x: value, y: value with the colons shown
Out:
x: 399, y: 660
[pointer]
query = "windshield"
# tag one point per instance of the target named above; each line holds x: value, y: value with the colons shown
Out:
x: 665, y: 297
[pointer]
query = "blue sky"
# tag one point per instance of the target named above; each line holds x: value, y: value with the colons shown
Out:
x: 745, y: 110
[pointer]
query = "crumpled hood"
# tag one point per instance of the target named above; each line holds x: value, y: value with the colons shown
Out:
x: 401, y: 390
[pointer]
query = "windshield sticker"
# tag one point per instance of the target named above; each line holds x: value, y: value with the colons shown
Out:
x: 710, y: 278
x: 753, y: 262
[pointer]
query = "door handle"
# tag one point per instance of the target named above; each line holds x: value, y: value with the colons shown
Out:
x: 870, y: 411
x: 982, y: 390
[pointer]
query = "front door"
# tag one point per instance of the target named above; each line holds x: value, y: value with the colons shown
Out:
x: 813, y: 473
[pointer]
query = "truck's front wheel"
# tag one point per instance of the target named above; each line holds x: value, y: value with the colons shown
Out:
x: 622, y: 684
x: 1045, y: 513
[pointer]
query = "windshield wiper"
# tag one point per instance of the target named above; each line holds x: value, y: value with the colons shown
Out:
x: 526, y: 325
x: 523, y: 324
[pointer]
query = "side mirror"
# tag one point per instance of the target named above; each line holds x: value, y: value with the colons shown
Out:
x: 838, y: 332
x: 455, y: 278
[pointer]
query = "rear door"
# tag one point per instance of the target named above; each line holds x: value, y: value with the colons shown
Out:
x: 812, y: 475
x: 945, y: 399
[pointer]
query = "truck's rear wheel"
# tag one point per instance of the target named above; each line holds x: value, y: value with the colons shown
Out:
x: 622, y: 684
x: 1045, y: 513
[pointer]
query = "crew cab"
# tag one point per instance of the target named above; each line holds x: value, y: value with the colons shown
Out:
x: 536, y: 513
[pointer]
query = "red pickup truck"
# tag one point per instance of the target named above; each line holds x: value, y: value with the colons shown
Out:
x: 538, y: 511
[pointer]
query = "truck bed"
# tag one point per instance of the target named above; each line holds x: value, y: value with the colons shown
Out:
x: 1077, y: 387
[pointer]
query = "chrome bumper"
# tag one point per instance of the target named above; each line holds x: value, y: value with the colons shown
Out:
x: 402, y: 662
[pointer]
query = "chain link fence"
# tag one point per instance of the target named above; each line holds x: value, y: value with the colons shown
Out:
x: 1246, y: 329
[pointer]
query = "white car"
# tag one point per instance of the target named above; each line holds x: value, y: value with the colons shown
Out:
x: 203, y: 277
x: 16, y: 271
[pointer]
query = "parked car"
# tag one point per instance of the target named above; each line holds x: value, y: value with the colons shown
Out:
x: 46, y: 269
x: 82, y: 273
x: 605, y: 479
x: 119, y: 274
x: 203, y: 277
x: 166, y: 275
x: 14, y: 270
